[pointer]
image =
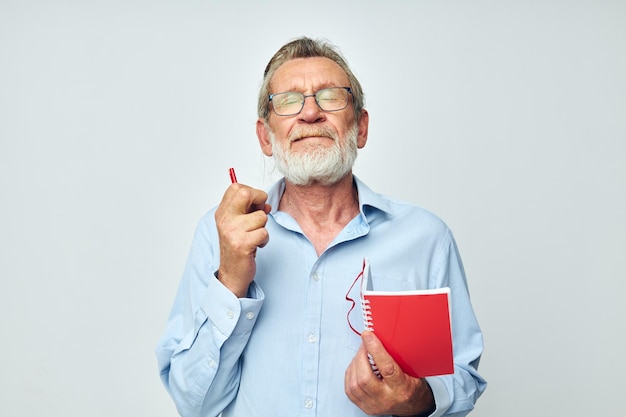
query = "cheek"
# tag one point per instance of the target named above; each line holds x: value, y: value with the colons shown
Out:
x: 281, y: 130
x: 344, y: 123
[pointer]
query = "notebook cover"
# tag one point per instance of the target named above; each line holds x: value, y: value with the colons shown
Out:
x: 414, y: 327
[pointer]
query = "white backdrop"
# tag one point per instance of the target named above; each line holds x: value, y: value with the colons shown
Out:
x: 119, y: 119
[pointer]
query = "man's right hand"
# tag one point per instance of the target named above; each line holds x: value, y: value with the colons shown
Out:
x: 240, y: 219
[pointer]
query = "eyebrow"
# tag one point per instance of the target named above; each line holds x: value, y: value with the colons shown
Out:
x: 317, y: 88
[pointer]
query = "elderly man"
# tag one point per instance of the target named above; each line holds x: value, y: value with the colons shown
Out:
x: 258, y: 327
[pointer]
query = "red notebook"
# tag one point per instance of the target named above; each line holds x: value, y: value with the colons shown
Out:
x: 414, y: 327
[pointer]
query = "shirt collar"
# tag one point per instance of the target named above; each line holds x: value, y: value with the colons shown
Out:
x: 368, y: 199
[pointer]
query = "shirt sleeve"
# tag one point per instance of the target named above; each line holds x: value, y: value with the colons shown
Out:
x: 208, y: 329
x: 455, y: 395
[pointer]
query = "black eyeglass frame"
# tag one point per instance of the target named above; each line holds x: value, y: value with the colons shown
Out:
x: 304, y: 97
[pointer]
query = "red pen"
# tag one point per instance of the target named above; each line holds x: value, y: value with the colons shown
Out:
x: 233, y: 177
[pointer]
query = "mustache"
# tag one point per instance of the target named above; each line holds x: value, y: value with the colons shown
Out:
x: 310, y: 131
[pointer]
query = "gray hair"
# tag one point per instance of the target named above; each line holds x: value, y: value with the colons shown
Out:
x: 307, y: 48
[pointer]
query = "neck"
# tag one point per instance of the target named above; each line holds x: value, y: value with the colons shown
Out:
x: 321, y: 211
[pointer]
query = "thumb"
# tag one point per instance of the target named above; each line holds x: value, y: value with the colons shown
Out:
x: 387, y: 366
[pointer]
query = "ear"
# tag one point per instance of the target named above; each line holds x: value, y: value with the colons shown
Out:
x: 263, y: 136
x: 363, y: 128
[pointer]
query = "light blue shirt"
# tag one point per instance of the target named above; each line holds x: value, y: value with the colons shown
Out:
x: 283, y: 351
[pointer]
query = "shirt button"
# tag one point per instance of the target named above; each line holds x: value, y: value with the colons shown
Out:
x: 315, y: 276
x: 312, y: 338
x: 249, y: 315
x: 308, y: 403
x: 230, y: 314
x: 212, y: 363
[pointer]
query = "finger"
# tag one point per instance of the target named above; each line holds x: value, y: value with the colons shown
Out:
x: 362, y: 376
x: 387, y: 366
x: 264, y: 237
x: 361, y: 385
x: 251, y: 221
x: 259, y: 237
x: 244, y: 233
x: 240, y: 199
x: 246, y: 199
x: 352, y: 384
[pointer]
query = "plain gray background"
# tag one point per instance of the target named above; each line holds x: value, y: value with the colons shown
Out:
x: 119, y: 120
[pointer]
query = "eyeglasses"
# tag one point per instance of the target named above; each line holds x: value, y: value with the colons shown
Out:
x: 349, y: 298
x: 328, y: 99
x: 367, y: 321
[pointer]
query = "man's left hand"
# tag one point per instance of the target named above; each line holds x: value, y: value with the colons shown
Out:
x: 395, y: 393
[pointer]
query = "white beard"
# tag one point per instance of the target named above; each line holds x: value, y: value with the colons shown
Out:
x: 322, y: 165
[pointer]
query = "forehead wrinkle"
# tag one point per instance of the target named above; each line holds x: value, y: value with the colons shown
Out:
x: 306, y: 76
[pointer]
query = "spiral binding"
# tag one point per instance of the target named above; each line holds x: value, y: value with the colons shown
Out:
x: 369, y: 325
x: 374, y: 366
x: 368, y: 322
x: 366, y: 312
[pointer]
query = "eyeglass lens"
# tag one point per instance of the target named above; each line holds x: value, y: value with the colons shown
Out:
x: 328, y: 99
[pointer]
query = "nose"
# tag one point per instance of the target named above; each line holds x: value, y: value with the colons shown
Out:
x: 311, y: 111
